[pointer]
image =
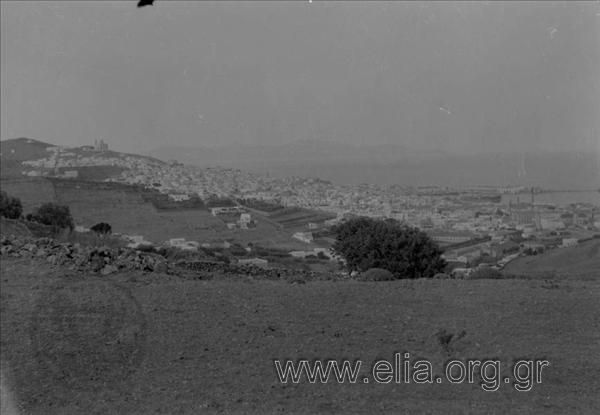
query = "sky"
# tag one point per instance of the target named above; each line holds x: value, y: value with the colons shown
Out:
x: 463, y: 77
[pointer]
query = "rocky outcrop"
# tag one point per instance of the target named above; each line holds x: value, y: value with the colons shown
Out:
x: 104, y: 260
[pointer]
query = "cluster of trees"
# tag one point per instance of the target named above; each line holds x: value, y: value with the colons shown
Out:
x: 406, y: 252
x: 51, y: 214
x: 10, y: 207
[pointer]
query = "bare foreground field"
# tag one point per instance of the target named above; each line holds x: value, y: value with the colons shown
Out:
x: 135, y: 343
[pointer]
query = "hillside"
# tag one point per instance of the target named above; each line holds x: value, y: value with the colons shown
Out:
x: 581, y: 261
x: 128, y: 208
x: 129, y: 212
x: 21, y: 156
x: 32, y: 191
x: 19, y: 149
x: 15, y: 151
x: 13, y: 227
x: 298, y: 218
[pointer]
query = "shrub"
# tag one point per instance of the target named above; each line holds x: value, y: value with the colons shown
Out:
x: 405, y: 251
x: 10, y: 207
x: 57, y: 216
x: 101, y: 228
x: 377, y: 274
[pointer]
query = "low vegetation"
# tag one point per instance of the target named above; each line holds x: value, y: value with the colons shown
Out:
x: 10, y: 207
x: 101, y: 228
x: 51, y: 214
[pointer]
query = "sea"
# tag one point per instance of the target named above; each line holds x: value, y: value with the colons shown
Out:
x: 556, y: 198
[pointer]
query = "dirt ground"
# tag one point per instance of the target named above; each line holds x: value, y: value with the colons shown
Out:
x: 142, y: 344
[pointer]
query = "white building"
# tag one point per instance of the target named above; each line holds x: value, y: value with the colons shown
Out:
x: 303, y: 236
x: 179, y: 197
x: 136, y: 240
x: 181, y: 243
x: 569, y: 242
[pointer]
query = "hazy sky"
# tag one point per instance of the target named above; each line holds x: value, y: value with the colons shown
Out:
x: 470, y: 76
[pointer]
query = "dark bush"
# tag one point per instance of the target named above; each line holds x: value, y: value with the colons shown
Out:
x: 57, y: 216
x: 321, y: 255
x: 102, y: 228
x: 405, y: 251
x: 10, y: 207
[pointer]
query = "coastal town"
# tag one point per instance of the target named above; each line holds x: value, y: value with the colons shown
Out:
x: 486, y: 225
x: 299, y: 207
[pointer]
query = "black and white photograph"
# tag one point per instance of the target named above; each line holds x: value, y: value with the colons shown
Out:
x: 299, y: 207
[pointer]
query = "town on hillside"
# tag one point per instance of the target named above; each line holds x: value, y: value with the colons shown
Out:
x: 475, y: 227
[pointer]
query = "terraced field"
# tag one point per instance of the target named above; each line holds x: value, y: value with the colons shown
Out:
x: 295, y: 217
x: 33, y: 191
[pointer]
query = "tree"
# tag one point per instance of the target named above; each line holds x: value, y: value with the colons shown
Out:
x: 102, y: 228
x: 57, y: 216
x: 10, y: 207
x: 405, y: 251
